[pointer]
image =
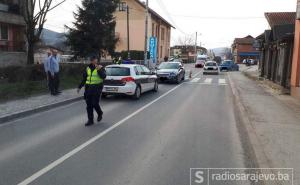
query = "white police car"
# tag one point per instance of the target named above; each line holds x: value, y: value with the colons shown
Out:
x: 129, y: 79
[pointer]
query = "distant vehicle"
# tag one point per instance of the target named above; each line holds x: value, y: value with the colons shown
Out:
x: 253, y: 62
x: 129, y: 79
x: 200, y: 61
x: 229, y: 65
x: 171, y: 71
x: 249, y: 62
x: 211, y: 67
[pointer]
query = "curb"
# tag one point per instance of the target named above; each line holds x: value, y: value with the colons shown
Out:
x: 255, y: 148
x: 39, y: 109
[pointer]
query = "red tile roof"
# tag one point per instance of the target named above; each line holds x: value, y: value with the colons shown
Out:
x: 246, y: 40
x: 280, y: 18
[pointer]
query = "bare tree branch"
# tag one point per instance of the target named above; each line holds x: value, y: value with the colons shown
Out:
x: 35, y: 15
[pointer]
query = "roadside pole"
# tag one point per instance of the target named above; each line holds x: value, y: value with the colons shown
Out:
x: 146, y: 35
x: 128, y: 34
x: 196, y: 46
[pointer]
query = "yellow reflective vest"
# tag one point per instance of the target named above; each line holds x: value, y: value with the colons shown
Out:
x: 92, y: 77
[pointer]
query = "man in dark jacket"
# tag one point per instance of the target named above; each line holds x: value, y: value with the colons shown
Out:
x: 93, y: 78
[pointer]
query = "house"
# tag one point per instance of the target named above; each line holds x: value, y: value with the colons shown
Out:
x: 41, y: 53
x: 242, y: 48
x: 187, y: 52
x: 276, y: 46
x: 12, y: 28
x: 157, y: 27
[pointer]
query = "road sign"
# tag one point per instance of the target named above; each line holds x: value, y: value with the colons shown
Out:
x: 153, y: 48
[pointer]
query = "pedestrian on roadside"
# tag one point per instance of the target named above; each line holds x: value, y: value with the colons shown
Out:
x: 166, y: 59
x: 53, y: 73
x: 46, y: 67
x: 119, y: 61
x: 93, y: 78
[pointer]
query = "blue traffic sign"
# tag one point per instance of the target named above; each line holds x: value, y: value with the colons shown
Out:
x: 153, y: 48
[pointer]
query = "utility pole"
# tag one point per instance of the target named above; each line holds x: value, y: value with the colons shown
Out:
x: 196, y: 47
x: 146, y: 34
x: 128, y: 34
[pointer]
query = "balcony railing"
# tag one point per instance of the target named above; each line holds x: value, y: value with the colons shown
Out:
x: 12, y: 46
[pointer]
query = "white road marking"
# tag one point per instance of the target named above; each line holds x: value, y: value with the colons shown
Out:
x: 195, y: 80
x: 89, y: 142
x: 197, y: 74
x: 222, y: 81
x: 208, y: 80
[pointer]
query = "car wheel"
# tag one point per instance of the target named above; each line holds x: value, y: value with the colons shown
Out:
x: 178, y: 80
x: 155, y: 89
x: 183, y: 77
x: 137, y: 93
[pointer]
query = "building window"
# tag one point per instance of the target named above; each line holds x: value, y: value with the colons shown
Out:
x: 122, y: 6
x: 162, y: 34
x: 3, y: 32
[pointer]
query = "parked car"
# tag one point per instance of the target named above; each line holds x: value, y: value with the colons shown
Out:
x: 229, y: 65
x: 253, y: 62
x: 200, y: 62
x: 211, y: 67
x: 171, y: 71
x: 129, y: 79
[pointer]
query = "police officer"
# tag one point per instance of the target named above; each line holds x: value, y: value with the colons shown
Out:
x: 93, y: 81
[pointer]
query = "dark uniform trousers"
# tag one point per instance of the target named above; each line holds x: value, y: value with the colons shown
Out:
x: 53, y: 82
x: 92, y: 100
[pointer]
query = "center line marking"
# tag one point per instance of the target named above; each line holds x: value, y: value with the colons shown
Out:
x: 89, y: 142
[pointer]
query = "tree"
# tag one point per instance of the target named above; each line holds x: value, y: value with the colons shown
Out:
x: 187, y: 40
x: 94, y: 29
x: 35, y: 14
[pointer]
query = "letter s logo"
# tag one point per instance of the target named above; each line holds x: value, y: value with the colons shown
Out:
x: 199, y: 177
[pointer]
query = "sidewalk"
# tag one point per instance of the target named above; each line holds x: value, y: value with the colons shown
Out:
x: 23, y: 107
x: 273, y: 123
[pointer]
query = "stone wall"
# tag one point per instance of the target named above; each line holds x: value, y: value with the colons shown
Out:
x: 12, y: 59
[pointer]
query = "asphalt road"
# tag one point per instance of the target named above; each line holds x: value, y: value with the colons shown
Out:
x: 152, y: 141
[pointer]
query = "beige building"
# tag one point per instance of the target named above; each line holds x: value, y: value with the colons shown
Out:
x: 12, y: 29
x: 157, y: 27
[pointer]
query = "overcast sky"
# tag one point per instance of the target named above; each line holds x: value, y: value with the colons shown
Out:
x: 218, y: 21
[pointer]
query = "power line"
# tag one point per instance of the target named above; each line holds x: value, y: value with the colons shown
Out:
x: 217, y: 17
x: 164, y: 8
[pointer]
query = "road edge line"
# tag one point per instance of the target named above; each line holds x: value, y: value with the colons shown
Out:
x: 90, y: 141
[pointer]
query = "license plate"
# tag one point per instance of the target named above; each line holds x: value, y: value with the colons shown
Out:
x: 111, y: 89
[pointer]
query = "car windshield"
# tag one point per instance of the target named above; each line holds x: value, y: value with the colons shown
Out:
x: 210, y: 64
x: 117, y: 71
x: 201, y: 58
x: 227, y: 62
x: 166, y: 65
